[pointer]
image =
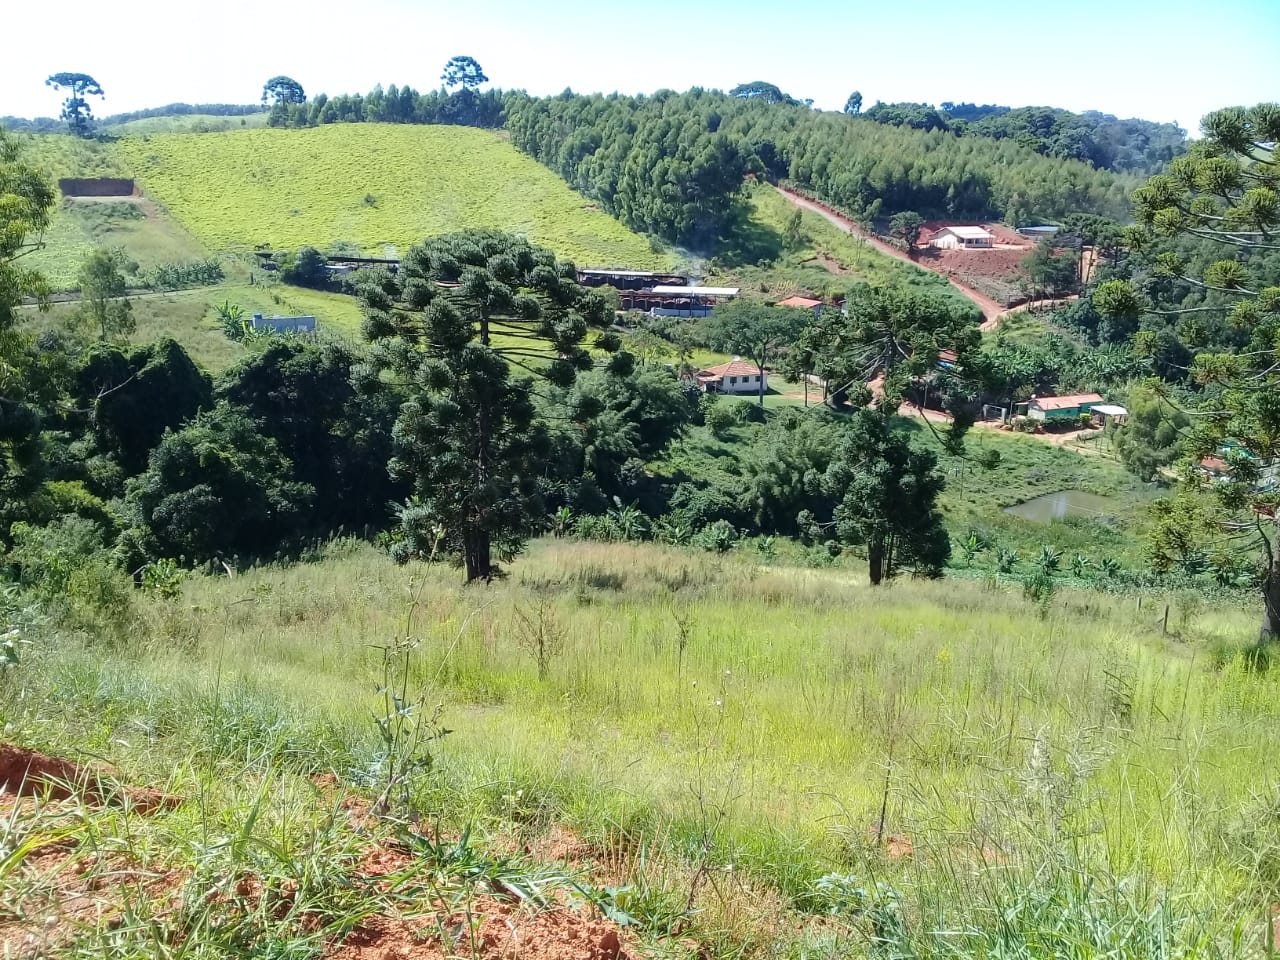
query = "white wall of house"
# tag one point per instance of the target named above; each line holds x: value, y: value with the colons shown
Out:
x: 744, y: 384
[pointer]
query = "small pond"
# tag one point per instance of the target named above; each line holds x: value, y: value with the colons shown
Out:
x: 1064, y: 503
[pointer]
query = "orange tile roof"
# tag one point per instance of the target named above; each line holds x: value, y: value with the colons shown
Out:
x: 734, y: 368
x: 799, y: 302
x: 1062, y: 403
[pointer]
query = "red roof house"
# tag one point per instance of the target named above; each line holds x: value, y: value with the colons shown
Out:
x: 735, y: 376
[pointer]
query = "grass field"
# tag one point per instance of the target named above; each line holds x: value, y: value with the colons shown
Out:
x: 190, y: 316
x: 772, y: 762
x: 142, y: 229
x: 187, y: 123
x: 370, y: 184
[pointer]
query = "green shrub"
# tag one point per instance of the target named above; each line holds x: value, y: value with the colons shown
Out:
x: 67, y: 566
x: 718, y: 537
x: 720, y: 419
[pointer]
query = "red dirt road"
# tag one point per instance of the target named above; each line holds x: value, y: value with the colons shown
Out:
x: 991, y: 310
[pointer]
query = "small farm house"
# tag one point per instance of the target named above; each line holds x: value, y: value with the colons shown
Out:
x: 802, y: 303
x: 736, y: 376
x: 962, y: 238
x: 1053, y: 409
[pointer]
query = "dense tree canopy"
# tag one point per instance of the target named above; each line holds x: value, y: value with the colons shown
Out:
x: 672, y: 163
x: 331, y: 418
x: 1099, y: 139
x: 133, y: 396
x: 215, y: 490
x: 464, y: 107
x: 763, y: 91
x: 26, y: 203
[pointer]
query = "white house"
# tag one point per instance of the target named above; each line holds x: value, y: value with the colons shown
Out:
x: 736, y: 376
x: 962, y: 238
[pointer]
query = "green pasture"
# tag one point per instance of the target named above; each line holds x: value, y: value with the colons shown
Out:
x: 371, y: 185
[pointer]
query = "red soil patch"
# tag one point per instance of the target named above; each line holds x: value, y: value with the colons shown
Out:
x: 995, y: 262
x: 25, y: 773
x: 62, y: 894
x: 898, y: 846
x: 494, y: 929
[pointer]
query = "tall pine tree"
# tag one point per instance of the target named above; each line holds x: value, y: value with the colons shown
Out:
x: 462, y: 311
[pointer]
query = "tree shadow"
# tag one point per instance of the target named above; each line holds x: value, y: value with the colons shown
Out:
x: 746, y: 242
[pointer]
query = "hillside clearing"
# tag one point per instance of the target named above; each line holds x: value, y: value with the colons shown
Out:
x: 371, y: 185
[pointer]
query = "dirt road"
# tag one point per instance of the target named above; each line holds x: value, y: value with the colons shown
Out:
x: 991, y: 310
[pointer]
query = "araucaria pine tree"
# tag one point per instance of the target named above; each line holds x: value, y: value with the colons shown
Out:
x: 462, y: 311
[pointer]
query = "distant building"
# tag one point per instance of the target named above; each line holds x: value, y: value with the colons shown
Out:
x: 1038, y: 233
x: 962, y: 238
x: 1219, y: 467
x: 802, y: 303
x: 672, y: 300
x: 1062, y: 408
x: 1105, y: 413
x: 736, y: 376
x: 713, y: 293
x: 280, y: 324
x: 627, y: 279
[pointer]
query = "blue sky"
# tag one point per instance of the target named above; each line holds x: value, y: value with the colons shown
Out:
x: 1119, y: 56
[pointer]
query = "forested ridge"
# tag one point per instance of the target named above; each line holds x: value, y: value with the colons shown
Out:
x: 1099, y: 139
x: 668, y: 162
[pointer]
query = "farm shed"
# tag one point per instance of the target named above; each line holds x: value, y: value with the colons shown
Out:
x: 1037, y: 233
x: 714, y: 293
x: 1062, y: 408
x: 802, y: 303
x: 280, y: 324
x: 670, y: 300
x: 626, y: 279
x: 962, y: 238
x: 1104, y: 413
x: 736, y: 376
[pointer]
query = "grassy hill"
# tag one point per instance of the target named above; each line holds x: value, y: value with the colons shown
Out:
x: 185, y: 123
x: 369, y: 184
x: 762, y: 761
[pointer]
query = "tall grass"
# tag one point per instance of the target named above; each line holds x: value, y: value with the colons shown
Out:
x: 748, y: 741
